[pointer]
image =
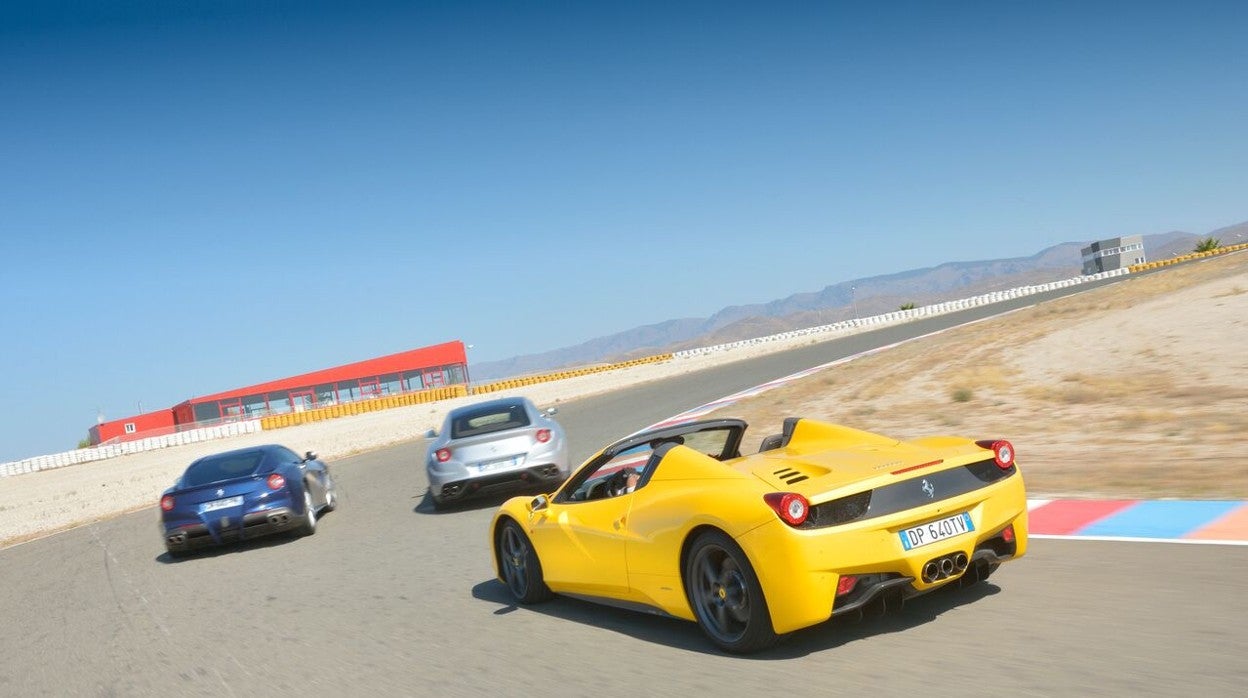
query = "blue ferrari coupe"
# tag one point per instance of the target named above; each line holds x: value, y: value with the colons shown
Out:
x: 244, y: 494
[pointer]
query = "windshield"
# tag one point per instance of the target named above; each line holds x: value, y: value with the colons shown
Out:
x: 222, y: 467
x: 487, y: 420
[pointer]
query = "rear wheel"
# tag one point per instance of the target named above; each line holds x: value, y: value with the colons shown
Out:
x: 519, y: 566
x: 331, y: 495
x: 438, y: 504
x: 308, y: 526
x: 726, y: 596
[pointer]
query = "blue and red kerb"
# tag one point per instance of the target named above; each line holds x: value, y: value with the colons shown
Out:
x: 1144, y: 520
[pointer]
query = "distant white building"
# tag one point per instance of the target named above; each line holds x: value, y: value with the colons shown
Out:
x: 1114, y: 253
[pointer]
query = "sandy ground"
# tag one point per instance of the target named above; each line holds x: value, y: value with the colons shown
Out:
x: 1136, y: 389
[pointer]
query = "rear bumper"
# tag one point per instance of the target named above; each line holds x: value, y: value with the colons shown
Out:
x: 256, y: 524
x: 799, y: 570
x: 495, y: 483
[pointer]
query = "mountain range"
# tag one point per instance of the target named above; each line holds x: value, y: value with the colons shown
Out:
x: 840, y: 301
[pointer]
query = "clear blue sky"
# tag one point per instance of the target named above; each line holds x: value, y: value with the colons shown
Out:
x: 196, y: 196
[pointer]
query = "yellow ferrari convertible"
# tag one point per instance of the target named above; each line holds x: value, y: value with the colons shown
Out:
x: 825, y: 521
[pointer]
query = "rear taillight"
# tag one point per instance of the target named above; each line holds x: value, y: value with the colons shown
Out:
x: 276, y: 482
x: 1003, y: 452
x: 166, y: 502
x: 790, y: 506
x: 442, y: 454
x: 543, y: 435
x: 1008, y: 534
x: 846, y: 584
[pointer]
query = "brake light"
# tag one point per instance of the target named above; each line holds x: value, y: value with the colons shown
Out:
x: 543, y: 435
x: 1003, y: 451
x: 442, y: 454
x: 791, y: 507
x: 846, y: 584
x: 276, y: 481
x: 1008, y: 534
x: 166, y: 502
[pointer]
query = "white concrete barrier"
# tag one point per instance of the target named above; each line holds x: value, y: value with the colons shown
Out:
x: 904, y: 315
x: 85, y: 455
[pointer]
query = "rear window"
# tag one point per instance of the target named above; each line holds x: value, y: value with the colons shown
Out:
x: 222, y: 467
x: 489, y: 420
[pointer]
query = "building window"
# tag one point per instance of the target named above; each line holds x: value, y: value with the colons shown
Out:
x: 390, y: 384
x: 325, y: 394
x: 255, y: 406
x: 129, y: 427
x: 413, y: 380
x: 456, y: 374
x: 279, y: 403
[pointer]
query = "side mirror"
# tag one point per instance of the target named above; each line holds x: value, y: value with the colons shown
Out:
x: 310, y: 455
x: 538, y: 503
x: 552, y: 410
x: 431, y: 434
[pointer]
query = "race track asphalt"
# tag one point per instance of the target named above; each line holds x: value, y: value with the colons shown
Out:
x: 392, y: 598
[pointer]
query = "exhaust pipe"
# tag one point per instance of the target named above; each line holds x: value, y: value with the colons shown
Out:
x: 943, y: 567
x: 960, y: 561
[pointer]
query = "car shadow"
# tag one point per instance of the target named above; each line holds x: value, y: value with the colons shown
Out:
x: 231, y: 548
x: 491, y: 501
x: 681, y: 634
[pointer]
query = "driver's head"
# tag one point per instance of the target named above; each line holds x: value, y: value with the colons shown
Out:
x: 627, y: 480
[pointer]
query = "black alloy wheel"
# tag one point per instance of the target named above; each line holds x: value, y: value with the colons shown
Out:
x: 519, y: 566
x: 726, y: 596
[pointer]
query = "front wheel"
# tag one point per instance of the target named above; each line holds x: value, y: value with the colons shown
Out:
x: 519, y: 566
x: 726, y: 596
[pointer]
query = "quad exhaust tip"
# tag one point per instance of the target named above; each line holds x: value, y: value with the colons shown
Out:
x: 945, y: 567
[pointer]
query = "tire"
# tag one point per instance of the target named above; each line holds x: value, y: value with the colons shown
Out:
x: 331, y: 496
x: 438, y: 504
x: 308, y: 526
x: 725, y: 595
x: 518, y: 565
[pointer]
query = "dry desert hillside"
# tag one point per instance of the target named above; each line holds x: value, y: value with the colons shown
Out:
x: 1137, y: 389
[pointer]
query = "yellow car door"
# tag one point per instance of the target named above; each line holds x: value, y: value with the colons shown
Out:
x: 581, y: 545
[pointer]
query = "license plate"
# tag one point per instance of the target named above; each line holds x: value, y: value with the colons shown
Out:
x: 934, y: 531
x: 499, y: 464
x: 221, y: 504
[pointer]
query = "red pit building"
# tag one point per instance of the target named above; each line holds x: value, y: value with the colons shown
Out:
x: 419, y: 369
